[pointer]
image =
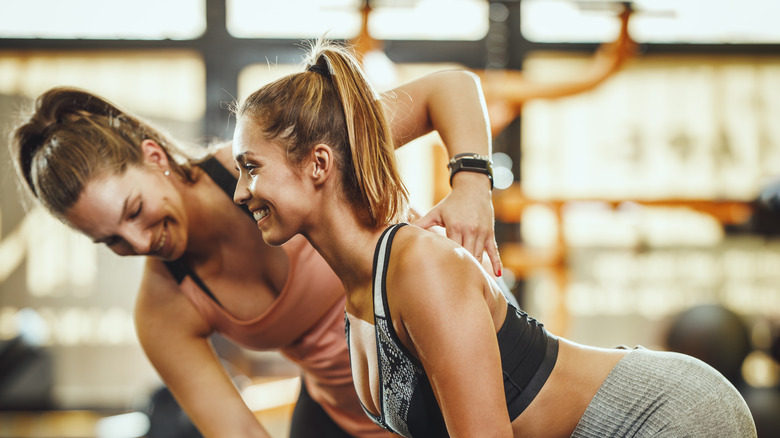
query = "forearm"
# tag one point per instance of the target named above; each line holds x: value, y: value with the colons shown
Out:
x: 209, y: 397
x: 182, y: 355
x: 450, y: 102
x: 457, y: 111
x: 204, y: 390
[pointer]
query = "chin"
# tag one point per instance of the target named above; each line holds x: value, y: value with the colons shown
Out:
x: 177, y: 251
x: 275, y: 239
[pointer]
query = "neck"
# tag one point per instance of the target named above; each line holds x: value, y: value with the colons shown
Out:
x: 346, y: 245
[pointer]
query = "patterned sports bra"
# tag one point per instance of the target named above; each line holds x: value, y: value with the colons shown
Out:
x: 408, y: 406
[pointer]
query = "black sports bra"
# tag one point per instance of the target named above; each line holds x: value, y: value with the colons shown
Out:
x: 407, y: 403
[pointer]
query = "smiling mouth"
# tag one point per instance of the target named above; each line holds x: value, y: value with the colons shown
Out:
x: 260, y: 214
x: 163, y: 239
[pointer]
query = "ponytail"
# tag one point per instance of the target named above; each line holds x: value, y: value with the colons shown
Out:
x: 72, y: 136
x: 333, y: 103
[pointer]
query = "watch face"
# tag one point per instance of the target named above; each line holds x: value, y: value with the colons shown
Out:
x: 474, y: 162
x: 471, y: 163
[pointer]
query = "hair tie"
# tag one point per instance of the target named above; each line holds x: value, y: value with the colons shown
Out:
x: 321, y: 69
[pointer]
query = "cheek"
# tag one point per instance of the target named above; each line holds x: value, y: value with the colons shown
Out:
x: 253, y: 187
x: 168, y: 203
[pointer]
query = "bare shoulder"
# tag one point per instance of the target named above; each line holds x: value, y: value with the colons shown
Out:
x: 413, y: 244
x: 434, y: 288
x: 157, y: 285
x: 161, y: 304
x: 422, y: 260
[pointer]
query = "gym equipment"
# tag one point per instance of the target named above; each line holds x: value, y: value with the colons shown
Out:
x: 713, y: 334
x: 167, y: 419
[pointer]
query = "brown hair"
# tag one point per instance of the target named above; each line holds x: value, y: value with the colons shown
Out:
x: 72, y: 136
x: 333, y: 103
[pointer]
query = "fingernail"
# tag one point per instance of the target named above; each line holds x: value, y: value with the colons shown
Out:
x: 499, y: 272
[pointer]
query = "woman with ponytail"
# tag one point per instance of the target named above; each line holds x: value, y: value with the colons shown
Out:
x: 124, y: 183
x: 435, y: 348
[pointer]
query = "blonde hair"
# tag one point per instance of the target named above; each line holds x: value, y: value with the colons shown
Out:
x: 333, y: 103
x: 71, y: 136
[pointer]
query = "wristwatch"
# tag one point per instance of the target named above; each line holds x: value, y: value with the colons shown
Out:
x: 471, y: 162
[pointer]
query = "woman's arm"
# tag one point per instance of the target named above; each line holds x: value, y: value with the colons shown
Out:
x: 452, y: 330
x: 451, y: 102
x: 175, y: 338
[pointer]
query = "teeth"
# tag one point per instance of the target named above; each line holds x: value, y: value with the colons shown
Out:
x: 259, y: 214
x: 161, y: 244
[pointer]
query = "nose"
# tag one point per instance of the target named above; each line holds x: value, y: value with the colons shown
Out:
x: 241, y: 194
x: 139, y: 239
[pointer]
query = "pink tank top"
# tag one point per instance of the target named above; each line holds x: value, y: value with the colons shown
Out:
x: 312, y: 302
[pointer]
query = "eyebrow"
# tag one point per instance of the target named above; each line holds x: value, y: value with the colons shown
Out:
x: 242, y: 157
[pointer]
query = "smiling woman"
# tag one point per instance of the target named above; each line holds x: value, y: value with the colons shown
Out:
x: 120, y: 181
x: 100, y: 129
x: 435, y: 348
x: 134, y: 213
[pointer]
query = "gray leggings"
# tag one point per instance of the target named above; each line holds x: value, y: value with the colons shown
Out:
x: 664, y: 394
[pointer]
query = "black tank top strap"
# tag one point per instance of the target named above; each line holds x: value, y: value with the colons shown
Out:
x: 227, y: 182
x: 224, y: 179
x: 181, y: 270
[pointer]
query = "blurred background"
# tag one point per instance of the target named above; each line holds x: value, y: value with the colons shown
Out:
x: 635, y: 204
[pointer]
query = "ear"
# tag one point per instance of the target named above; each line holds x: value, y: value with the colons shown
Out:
x: 154, y: 154
x: 321, y: 163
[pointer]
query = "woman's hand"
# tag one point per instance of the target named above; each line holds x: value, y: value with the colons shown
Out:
x: 467, y: 215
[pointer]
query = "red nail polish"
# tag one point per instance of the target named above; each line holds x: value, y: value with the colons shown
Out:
x: 499, y: 272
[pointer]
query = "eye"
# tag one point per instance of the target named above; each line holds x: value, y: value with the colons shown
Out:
x: 249, y: 168
x: 137, y: 210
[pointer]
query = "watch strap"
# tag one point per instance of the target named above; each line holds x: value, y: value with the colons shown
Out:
x: 471, y: 162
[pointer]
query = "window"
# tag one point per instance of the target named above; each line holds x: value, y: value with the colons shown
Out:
x: 656, y: 21
x: 165, y: 84
x: 98, y: 19
x: 423, y: 19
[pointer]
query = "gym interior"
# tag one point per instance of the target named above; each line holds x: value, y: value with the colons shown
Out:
x: 640, y: 208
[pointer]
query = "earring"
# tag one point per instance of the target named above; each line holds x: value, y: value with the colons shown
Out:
x: 167, y: 172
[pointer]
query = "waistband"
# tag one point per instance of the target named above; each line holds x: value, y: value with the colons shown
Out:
x: 518, y: 405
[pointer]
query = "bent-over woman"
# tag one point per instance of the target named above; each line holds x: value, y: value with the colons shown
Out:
x: 435, y: 348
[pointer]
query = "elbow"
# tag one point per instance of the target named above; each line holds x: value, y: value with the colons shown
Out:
x: 465, y: 78
x: 457, y: 79
x: 470, y: 76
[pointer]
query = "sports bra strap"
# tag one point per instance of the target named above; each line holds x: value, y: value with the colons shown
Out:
x: 381, y: 259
